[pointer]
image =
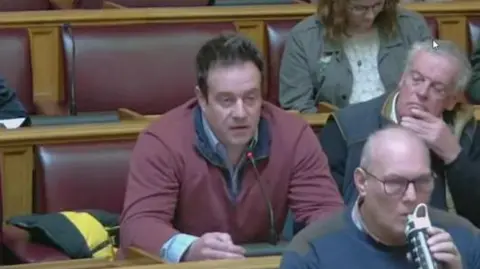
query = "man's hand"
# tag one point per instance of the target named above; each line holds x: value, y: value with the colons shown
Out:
x: 213, y: 246
x: 435, y: 132
x: 443, y: 249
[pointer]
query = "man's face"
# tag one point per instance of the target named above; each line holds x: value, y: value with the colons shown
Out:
x: 428, y: 85
x: 362, y: 13
x: 390, y: 202
x: 234, y: 102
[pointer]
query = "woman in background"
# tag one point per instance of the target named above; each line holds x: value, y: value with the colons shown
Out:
x: 350, y: 51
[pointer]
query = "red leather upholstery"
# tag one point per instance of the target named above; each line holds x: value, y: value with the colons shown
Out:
x: 15, y: 65
x: 149, y: 68
x: 24, y: 5
x: 277, y: 33
x: 433, y: 24
x: 162, y: 3
x: 90, y: 175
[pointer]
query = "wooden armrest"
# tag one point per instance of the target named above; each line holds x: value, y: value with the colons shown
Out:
x: 127, y: 114
x: 112, y: 5
x: 137, y: 254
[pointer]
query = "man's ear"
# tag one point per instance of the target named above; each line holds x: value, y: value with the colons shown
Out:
x: 202, y: 100
x: 360, y: 181
x: 451, y: 101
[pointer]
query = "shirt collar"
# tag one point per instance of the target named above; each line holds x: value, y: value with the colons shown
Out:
x: 358, y: 221
x: 393, y: 112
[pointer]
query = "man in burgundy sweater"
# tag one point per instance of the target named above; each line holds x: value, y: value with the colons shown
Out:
x: 193, y: 191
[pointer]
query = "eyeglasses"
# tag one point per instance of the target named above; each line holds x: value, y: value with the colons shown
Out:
x: 398, y: 186
x: 360, y: 9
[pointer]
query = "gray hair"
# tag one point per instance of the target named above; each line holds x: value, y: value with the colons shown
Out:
x: 445, y: 48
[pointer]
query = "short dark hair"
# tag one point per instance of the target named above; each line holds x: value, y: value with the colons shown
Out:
x: 225, y: 50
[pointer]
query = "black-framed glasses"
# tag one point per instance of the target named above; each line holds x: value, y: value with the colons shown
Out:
x: 398, y: 185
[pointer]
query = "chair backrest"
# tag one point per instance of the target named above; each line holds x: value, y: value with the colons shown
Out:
x: 277, y: 33
x: 148, y: 68
x: 15, y: 65
x: 88, y: 4
x: 162, y: 3
x: 24, y: 5
x: 88, y: 175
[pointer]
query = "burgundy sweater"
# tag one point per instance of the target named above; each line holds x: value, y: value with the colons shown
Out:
x: 171, y: 188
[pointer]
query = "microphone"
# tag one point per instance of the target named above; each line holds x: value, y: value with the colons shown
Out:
x: 272, y: 236
x: 68, y: 37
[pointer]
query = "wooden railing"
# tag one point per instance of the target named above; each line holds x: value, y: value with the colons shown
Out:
x: 46, y: 54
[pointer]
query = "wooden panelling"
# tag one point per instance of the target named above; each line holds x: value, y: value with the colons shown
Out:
x: 250, y: 20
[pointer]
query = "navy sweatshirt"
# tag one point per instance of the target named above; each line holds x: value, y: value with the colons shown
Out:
x: 337, y: 243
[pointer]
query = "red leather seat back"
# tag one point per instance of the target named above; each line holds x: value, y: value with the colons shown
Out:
x: 433, y: 24
x: 24, y: 5
x: 149, y: 68
x: 90, y: 175
x: 15, y: 66
x: 162, y: 3
x: 277, y: 33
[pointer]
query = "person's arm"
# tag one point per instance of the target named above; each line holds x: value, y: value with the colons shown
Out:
x: 176, y: 247
x: 150, y: 200
x: 10, y: 106
x: 299, y: 254
x: 313, y: 193
x: 335, y: 148
x: 295, y: 83
x: 463, y: 178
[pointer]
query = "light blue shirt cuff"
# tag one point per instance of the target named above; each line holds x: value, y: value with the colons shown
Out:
x: 174, y: 249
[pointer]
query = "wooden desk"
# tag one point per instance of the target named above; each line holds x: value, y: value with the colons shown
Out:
x: 272, y: 262
x: 82, y: 264
x: 252, y: 21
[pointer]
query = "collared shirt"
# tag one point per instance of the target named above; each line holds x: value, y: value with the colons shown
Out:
x: 358, y: 221
x: 393, y: 113
x: 221, y: 150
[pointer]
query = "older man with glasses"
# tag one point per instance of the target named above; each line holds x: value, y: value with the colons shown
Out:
x: 425, y: 103
x: 393, y: 178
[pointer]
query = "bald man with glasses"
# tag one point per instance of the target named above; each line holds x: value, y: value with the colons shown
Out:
x: 394, y: 177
